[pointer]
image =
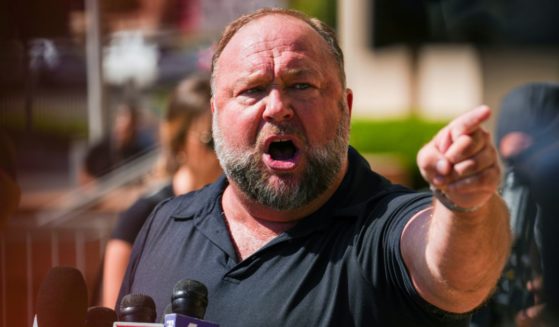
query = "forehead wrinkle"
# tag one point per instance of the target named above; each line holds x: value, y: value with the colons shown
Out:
x: 292, y: 63
x: 287, y: 44
x: 298, y: 37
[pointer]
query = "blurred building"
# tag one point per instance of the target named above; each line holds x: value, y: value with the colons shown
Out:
x: 439, y: 58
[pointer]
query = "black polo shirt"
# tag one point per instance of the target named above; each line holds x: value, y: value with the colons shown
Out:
x: 341, y: 266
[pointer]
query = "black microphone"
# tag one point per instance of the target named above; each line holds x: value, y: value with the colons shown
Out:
x: 137, y: 308
x: 188, y: 305
x: 62, y: 298
x: 190, y: 297
x: 100, y: 317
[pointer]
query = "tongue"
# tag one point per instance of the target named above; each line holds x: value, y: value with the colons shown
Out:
x: 282, y: 151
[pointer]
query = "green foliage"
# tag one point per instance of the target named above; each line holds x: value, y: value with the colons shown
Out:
x: 325, y: 10
x: 56, y: 126
x: 403, y: 137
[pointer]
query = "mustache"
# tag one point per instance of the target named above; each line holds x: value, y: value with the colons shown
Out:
x: 283, y: 128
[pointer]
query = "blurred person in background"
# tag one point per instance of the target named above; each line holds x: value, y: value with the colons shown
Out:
x: 187, y: 158
x: 127, y: 141
x: 10, y: 192
x: 527, y: 137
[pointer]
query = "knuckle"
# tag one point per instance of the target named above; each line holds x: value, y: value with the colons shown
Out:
x: 471, y: 166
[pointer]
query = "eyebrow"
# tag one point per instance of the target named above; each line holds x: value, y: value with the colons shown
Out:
x: 300, y: 68
x: 251, y: 78
x: 300, y: 71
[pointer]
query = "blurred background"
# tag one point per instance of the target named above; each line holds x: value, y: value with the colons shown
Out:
x: 70, y: 68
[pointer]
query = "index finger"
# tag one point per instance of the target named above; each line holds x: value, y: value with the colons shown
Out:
x: 469, y: 121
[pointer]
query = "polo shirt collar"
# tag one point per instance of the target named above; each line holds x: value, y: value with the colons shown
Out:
x: 207, y: 215
x: 353, y: 193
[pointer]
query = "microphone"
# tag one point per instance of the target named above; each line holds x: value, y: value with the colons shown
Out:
x: 190, y: 297
x: 100, y: 317
x: 136, y: 310
x: 62, y: 298
x: 188, y: 305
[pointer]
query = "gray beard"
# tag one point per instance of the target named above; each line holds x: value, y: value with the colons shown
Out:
x: 245, y: 168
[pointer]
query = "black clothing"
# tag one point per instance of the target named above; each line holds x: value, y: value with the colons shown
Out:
x: 532, y: 109
x: 545, y: 179
x: 132, y: 219
x: 103, y: 157
x: 340, y: 266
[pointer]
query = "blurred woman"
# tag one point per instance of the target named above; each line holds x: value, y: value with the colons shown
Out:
x: 188, y: 159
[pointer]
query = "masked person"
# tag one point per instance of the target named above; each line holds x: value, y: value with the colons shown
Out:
x: 527, y: 135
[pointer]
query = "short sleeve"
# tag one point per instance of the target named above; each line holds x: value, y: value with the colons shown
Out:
x: 380, y: 257
x: 132, y: 219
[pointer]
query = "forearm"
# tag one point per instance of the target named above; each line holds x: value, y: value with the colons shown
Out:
x: 455, y: 258
x: 468, y: 250
x: 117, y: 255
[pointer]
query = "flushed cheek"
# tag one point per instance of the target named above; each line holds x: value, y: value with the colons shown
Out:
x: 237, y: 130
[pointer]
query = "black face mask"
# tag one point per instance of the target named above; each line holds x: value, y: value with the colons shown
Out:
x: 525, y: 163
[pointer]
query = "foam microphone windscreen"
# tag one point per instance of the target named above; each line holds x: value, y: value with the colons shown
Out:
x: 190, y: 297
x: 100, y: 317
x: 137, y: 308
x: 62, y: 298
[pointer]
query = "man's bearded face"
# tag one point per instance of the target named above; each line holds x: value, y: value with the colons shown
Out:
x: 283, y: 191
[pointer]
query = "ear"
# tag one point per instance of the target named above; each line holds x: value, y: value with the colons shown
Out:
x: 349, y: 99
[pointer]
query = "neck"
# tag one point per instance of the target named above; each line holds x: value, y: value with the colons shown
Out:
x: 252, y: 224
x: 249, y: 231
x: 186, y: 179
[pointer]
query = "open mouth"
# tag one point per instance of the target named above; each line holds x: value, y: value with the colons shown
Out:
x: 282, y: 150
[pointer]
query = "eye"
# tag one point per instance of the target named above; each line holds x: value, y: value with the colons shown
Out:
x: 253, y: 91
x: 251, y: 95
x: 301, y: 86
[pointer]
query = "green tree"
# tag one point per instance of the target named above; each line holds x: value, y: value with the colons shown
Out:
x: 324, y: 10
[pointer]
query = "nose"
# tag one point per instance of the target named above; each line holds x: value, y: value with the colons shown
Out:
x: 278, y: 107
